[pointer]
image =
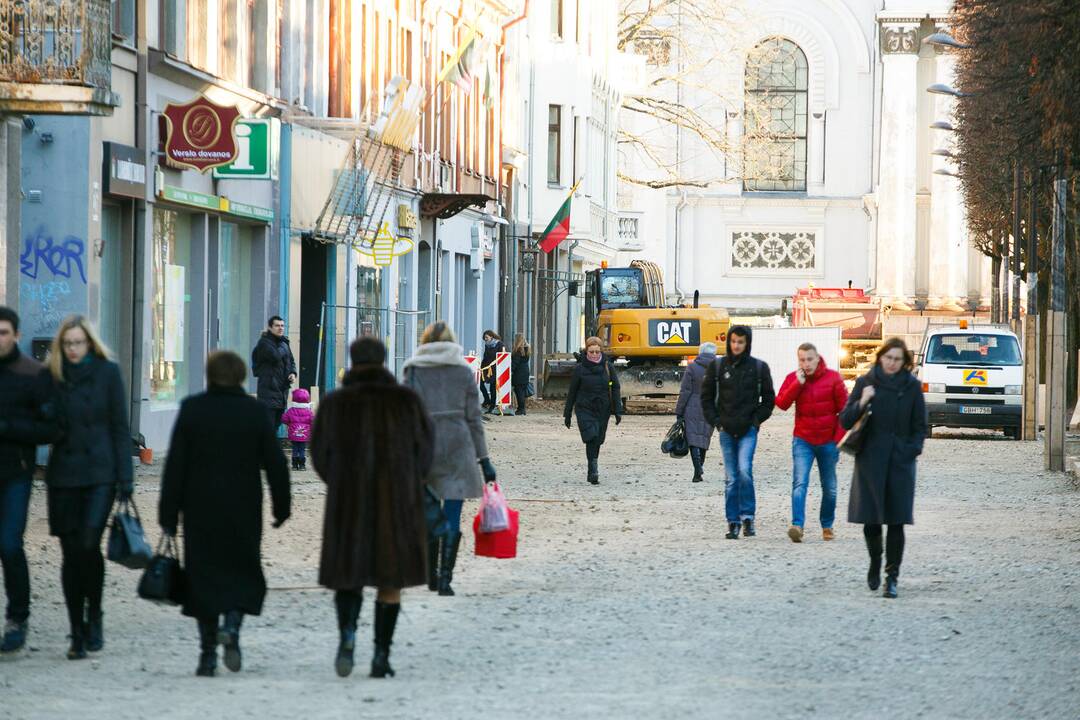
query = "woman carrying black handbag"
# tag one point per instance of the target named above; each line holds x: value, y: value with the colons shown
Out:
x: 883, y: 486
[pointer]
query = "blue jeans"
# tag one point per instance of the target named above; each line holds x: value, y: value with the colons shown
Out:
x: 452, y: 511
x: 803, y: 455
x: 14, y: 506
x: 739, y: 500
x: 299, y: 448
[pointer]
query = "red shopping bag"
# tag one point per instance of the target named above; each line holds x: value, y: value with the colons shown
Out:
x: 500, y: 544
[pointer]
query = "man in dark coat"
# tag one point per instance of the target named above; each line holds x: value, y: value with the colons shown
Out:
x: 274, y: 367
x: 27, y: 419
x: 688, y: 408
x: 736, y: 397
x: 883, y: 486
x: 372, y: 445
x: 221, y: 444
x: 594, y: 396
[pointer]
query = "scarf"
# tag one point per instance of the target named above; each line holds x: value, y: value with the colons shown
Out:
x: 894, y: 382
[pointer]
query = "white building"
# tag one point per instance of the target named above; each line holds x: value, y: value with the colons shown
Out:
x: 844, y: 192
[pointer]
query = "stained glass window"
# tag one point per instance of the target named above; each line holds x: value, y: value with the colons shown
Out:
x: 774, y: 152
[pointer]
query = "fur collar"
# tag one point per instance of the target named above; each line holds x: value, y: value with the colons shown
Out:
x: 437, y: 354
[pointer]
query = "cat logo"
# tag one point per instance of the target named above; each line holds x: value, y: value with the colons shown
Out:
x: 975, y: 377
x: 674, y: 332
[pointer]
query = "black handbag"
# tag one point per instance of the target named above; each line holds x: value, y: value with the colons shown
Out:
x: 852, y: 442
x: 163, y: 580
x: 437, y: 524
x: 127, y: 541
x: 675, y: 443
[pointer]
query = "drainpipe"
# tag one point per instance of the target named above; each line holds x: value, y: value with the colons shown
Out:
x: 285, y: 215
x: 679, y: 295
x: 569, y: 301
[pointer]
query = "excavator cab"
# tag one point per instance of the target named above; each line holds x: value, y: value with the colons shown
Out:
x: 611, y: 289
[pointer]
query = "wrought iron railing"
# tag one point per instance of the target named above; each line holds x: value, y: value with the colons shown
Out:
x: 65, y: 42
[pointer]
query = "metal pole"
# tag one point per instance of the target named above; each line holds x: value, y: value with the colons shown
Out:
x: 1031, y: 320
x: 1057, y: 362
x: 1017, y: 190
x: 1004, y: 277
x: 318, y: 356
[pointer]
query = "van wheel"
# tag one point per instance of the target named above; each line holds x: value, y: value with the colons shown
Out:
x: 1012, y: 433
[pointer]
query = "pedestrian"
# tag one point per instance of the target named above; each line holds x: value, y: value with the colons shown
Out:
x: 819, y: 395
x: 883, y: 485
x: 688, y: 408
x: 736, y: 397
x: 493, y: 345
x: 27, y: 419
x: 372, y: 446
x: 447, y: 386
x: 221, y: 444
x: 519, y: 371
x: 274, y: 368
x: 89, y: 466
x: 298, y: 419
x: 594, y: 396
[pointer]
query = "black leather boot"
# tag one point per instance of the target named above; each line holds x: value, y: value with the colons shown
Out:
x: 348, y: 610
x: 447, y: 559
x: 95, y: 631
x: 874, y: 548
x: 696, y: 458
x: 77, y: 650
x: 229, y: 637
x: 748, y: 528
x: 594, y: 469
x: 433, y: 551
x: 733, y: 531
x: 385, y: 622
x: 208, y: 636
x: 890, y: 585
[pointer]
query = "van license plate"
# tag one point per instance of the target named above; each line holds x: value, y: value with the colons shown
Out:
x: 974, y: 410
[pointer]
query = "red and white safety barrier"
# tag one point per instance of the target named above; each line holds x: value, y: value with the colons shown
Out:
x: 474, y: 365
x: 502, y: 379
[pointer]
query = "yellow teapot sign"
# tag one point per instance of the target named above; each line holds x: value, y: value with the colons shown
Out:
x: 385, y: 247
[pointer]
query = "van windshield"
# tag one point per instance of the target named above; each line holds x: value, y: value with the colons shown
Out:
x: 967, y: 349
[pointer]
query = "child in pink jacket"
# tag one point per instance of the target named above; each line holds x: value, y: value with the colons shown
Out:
x: 298, y: 420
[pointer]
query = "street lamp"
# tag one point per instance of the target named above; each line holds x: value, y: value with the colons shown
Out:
x: 943, y: 153
x: 943, y: 89
x: 942, y: 125
x: 946, y: 172
x: 944, y: 39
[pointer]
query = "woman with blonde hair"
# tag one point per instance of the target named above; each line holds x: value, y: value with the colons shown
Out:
x: 595, y: 396
x: 90, y: 465
x: 442, y: 378
x: 519, y: 371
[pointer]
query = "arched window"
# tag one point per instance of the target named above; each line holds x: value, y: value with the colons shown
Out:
x: 774, y: 149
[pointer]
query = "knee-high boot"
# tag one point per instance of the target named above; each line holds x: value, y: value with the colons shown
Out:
x: 208, y: 636
x: 894, y: 554
x: 348, y: 611
x: 229, y: 637
x: 448, y: 550
x: 434, y: 549
x: 592, y: 454
x: 697, y: 457
x: 385, y: 621
x: 872, y: 533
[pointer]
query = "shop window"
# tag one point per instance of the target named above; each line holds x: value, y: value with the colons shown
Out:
x: 369, y: 302
x: 112, y: 280
x: 235, y: 322
x: 170, y: 306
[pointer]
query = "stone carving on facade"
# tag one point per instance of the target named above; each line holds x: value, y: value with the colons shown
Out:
x: 774, y: 250
x: 899, y: 39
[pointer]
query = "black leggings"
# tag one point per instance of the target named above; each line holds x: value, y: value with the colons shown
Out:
x: 82, y: 574
x: 520, y: 394
x: 894, y: 546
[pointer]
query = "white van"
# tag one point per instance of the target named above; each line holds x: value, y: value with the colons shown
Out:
x: 972, y: 376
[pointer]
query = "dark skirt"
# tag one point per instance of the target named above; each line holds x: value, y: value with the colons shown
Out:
x: 78, y: 508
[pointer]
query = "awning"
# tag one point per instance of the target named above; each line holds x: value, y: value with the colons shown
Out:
x: 446, y: 205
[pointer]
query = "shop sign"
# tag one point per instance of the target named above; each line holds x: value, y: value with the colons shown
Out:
x: 384, y: 247
x: 406, y: 220
x: 215, y: 203
x: 254, y: 152
x: 200, y: 134
x: 125, y: 171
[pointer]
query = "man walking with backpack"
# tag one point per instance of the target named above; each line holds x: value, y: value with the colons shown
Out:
x: 736, y: 397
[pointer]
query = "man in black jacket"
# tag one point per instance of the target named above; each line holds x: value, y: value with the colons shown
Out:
x: 736, y: 397
x: 273, y: 366
x: 27, y: 419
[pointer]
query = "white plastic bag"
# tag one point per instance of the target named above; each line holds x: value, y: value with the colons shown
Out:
x: 494, y: 510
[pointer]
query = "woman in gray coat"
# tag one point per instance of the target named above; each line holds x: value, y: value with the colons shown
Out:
x: 442, y: 378
x: 688, y: 408
x: 883, y: 487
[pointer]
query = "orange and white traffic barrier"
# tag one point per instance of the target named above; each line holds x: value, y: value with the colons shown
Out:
x: 474, y: 365
x: 502, y: 379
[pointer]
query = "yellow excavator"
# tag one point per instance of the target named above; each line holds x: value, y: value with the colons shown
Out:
x: 649, y: 340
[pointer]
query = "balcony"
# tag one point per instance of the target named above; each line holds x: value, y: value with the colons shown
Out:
x: 55, y: 57
x: 629, y: 233
x: 601, y: 222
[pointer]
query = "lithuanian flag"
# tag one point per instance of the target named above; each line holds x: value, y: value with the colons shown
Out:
x: 559, y: 227
x: 459, y: 68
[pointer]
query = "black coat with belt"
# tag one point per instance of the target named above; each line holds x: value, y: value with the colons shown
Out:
x: 221, y: 443
x: 883, y: 486
x: 27, y: 413
x: 272, y: 363
x: 594, y: 396
x: 491, y: 353
x: 94, y: 445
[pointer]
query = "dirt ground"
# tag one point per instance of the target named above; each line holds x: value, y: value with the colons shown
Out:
x: 626, y: 601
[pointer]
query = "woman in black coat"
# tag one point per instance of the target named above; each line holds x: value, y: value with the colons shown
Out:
x: 221, y: 442
x: 519, y: 371
x: 883, y: 487
x: 90, y: 464
x: 594, y: 395
x: 493, y: 345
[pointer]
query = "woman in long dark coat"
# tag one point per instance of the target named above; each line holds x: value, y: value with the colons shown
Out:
x: 372, y: 446
x: 221, y: 443
x: 883, y: 487
x: 493, y: 345
x: 688, y: 408
x: 594, y: 396
x: 89, y: 466
x: 519, y: 371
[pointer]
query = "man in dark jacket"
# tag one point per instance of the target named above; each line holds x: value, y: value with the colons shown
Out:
x: 736, y: 397
x: 27, y: 419
x: 273, y: 366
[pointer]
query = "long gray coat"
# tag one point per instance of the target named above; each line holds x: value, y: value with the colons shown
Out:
x: 883, y: 487
x: 698, y: 430
x: 446, y: 384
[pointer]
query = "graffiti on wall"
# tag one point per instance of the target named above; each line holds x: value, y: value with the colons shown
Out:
x: 53, y: 280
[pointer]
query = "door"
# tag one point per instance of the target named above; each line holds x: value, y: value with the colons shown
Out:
x: 313, y: 271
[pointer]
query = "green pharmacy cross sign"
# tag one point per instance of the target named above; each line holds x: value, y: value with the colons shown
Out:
x: 254, y: 151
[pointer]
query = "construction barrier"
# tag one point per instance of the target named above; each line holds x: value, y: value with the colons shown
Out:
x: 474, y: 365
x: 502, y: 379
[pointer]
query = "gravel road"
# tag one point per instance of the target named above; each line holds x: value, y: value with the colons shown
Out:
x: 626, y: 601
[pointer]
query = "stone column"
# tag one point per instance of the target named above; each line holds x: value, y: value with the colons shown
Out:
x: 896, y: 188
x: 948, y: 237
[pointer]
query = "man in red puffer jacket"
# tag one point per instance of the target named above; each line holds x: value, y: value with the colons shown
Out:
x: 819, y: 396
